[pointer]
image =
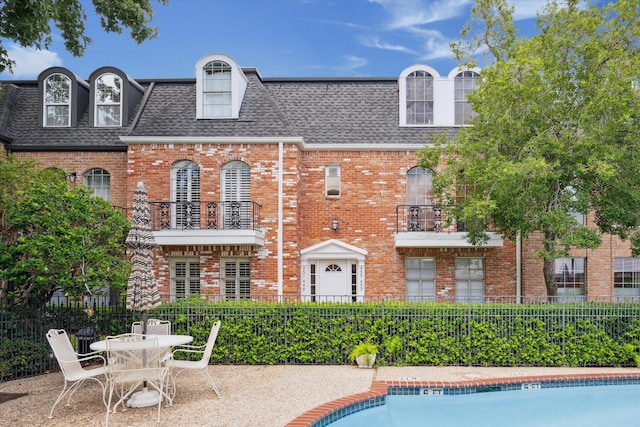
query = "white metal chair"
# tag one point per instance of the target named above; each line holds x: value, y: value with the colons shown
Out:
x: 204, y: 351
x: 154, y: 327
x: 74, y: 373
x: 134, y: 359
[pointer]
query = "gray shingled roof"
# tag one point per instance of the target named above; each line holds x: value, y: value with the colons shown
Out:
x: 321, y: 111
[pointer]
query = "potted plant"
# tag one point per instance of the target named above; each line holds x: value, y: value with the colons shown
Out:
x: 364, y: 354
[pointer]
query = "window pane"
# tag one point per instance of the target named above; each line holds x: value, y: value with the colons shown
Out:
x: 420, y: 279
x: 99, y: 181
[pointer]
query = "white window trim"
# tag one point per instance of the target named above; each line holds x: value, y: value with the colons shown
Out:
x: 239, y: 84
x: 328, y: 170
x: 45, y: 105
x: 97, y: 104
x: 402, y: 90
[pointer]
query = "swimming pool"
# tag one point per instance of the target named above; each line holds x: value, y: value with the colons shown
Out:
x: 525, y: 405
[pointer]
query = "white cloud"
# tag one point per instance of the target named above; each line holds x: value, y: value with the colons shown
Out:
x: 374, y: 42
x: 353, y: 62
x: 526, y: 9
x: 409, y: 13
x: 30, y: 62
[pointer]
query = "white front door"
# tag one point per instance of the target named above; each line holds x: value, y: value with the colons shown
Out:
x: 334, y: 281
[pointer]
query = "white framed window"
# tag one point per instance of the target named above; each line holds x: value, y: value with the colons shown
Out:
x: 419, y: 103
x: 220, y: 88
x: 99, y: 181
x: 236, y: 279
x: 464, y: 83
x: 185, y: 195
x: 216, y: 101
x: 108, y: 100
x: 470, y: 280
x: 570, y: 276
x: 626, y: 277
x: 420, y: 275
x: 236, y: 195
x: 185, y: 277
x: 419, y: 208
x: 332, y: 180
x: 57, y: 101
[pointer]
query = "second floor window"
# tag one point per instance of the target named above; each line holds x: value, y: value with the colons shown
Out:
x: 216, y: 89
x: 332, y: 180
x: 99, y: 181
x: 236, y: 195
x: 419, y: 98
x: 185, y: 195
x: 57, y: 101
x: 108, y: 100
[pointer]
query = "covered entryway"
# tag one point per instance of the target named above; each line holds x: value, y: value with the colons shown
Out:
x: 333, y: 271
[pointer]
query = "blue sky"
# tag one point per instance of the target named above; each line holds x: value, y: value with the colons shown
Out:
x: 281, y: 38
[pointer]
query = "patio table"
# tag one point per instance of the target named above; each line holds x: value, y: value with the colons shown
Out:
x: 145, y: 397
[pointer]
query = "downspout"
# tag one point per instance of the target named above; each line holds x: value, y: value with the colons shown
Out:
x: 518, y: 268
x: 280, y: 205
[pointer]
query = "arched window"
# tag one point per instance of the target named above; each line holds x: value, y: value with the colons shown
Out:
x: 420, y: 211
x: 108, y: 102
x: 419, y: 102
x: 236, y: 195
x: 419, y: 186
x: 464, y: 82
x: 216, y: 89
x: 185, y: 195
x: 57, y: 100
x: 99, y: 181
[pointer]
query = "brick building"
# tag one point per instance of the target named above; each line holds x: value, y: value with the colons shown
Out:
x: 275, y: 187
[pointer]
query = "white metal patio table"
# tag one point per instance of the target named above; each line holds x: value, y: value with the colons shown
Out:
x: 147, y: 398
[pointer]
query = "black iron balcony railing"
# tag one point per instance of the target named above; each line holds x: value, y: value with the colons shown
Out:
x: 205, y: 215
x: 411, y: 218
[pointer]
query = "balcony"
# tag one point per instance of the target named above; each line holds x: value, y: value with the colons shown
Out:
x: 206, y: 223
x: 423, y: 226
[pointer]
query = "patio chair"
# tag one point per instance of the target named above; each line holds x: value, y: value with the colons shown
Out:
x: 134, y: 359
x: 74, y: 373
x: 154, y: 327
x: 204, y: 351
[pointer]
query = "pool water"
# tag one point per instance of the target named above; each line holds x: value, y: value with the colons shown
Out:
x: 597, y: 406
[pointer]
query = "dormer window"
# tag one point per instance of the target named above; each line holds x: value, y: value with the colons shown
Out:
x: 108, y: 100
x: 220, y: 86
x: 57, y: 100
x: 464, y: 83
x: 217, y: 89
x: 419, y: 98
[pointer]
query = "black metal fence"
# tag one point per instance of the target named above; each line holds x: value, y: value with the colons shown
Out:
x: 290, y: 331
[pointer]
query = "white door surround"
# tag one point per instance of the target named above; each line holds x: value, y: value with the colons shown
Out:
x: 326, y: 271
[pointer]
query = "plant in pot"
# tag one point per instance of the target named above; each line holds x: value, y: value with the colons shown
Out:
x: 364, y: 354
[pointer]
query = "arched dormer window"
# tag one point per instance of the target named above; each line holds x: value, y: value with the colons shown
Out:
x: 220, y: 86
x: 417, y: 96
x: 108, y: 100
x: 463, y: 83
x: 62, y: 97
x: 57, y: 101
x: 114, y: 97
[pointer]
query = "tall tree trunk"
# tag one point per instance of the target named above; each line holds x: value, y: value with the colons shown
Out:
x: 548, y: 268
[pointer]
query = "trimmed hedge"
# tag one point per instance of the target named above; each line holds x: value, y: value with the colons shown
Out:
x: 434, y: 334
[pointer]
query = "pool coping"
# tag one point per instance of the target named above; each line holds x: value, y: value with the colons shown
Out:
x: 336, y: 409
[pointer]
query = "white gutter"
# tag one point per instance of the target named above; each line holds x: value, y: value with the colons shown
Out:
x: 280, y: 206
x: 518, y: 268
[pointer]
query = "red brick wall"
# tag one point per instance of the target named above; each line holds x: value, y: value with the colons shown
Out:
x: 81, y: 162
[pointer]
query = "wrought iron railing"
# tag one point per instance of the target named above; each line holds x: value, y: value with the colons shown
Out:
x: 216, y: 215
x: 411, y: 218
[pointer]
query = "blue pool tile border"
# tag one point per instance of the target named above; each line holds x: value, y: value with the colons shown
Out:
x: 504, y: 384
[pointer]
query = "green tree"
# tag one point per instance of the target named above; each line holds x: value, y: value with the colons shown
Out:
x: 28, y: 23
x: 54, y: 236
x: 557, y: 131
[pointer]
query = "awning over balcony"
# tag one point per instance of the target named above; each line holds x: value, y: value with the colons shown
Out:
x: 419, y: 239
